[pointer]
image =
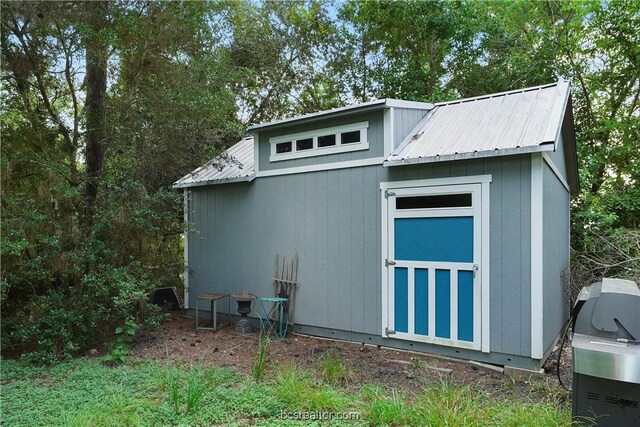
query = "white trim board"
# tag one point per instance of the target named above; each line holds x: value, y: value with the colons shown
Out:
x: 536, y: 284
x: 471, y: 179
x: 389, y: 131
x: 322, y: 167
x: 390, y: 162
x: 186, y: 248
x: 247, y: 178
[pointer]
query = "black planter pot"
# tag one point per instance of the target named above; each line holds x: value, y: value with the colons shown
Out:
x: 244, y: 308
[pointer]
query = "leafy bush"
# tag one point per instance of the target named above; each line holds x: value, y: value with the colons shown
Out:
x: 65, y: 289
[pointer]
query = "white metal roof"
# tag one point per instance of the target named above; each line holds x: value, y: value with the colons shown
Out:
x: 239, y: 168
x: 519, y: 121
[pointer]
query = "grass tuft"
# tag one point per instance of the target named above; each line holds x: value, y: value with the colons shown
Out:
x: 333, y: 369
x: 297, y: 391
x: 378, y: 407
x: 258, y: 366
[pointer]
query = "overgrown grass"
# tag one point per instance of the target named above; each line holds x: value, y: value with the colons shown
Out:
x: 258, y: 366
x: 333, y: 369
x: 84, y: 392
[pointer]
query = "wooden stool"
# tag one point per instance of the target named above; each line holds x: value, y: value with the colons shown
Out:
x: 213, y: 297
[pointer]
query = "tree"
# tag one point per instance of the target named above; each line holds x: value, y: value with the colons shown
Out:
x: 106, y: 104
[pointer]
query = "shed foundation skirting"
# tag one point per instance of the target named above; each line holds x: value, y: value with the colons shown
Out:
x: 358, y: 337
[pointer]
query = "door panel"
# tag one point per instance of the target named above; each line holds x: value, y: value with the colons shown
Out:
x: 433, y: 255
x: 447, y: 239
x: 401, y: 295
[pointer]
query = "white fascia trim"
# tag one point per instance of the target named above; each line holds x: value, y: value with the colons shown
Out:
x: 246, y: 178
x: 186, y: 248
x: 390, y: 162
x: 389, y: 131
x: 556, y: 171
x: 485, y: 235
x: 384, y: 270
x: 537, y: 256
x: 553, y: 129
x: 472, y: 179
x: 322, y: 167
x: 399, y: 103
x: 256, y: 151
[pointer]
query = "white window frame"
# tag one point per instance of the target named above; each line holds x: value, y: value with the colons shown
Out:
x: 320, y: 151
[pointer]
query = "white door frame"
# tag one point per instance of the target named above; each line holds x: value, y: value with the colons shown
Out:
x: 479, y: 187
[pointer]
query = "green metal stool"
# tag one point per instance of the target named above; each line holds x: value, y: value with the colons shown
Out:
x: 276, y: 319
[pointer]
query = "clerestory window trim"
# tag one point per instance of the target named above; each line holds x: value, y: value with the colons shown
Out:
x: 314, y: 151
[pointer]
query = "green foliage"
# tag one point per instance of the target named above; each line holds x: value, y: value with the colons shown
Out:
x: 186, y: 389
x: 149, y: 394
x: 381, y: 407
x: 297, y: 391
x: 118, y: 350
x: 74, y: 269
x: 258, y: 365
x: 333, y: 370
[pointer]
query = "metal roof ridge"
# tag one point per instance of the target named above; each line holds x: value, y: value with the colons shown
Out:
x: 497, y: 94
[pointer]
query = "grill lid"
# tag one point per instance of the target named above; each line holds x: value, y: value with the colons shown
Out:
x: 609, y: 309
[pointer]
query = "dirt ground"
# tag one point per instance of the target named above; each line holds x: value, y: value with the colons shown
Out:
x: 178, y: 340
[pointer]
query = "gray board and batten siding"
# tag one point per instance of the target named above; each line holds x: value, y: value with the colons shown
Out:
x: 375, y: 134
x: 556, y: 241
x: 331, y: 219
x: 404, y: 121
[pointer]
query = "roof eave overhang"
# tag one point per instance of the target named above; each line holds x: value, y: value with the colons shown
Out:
x: 339, y: 112
x: 246, y: 178
x: 546, y: 146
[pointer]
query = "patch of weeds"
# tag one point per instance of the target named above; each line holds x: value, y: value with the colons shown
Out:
x: 381, y: 408
x: 333, y: 369
x: 119, y: 349
x: 258, y: 365
x: 196, y: 388
x: 550, y: 391
x: 527, y: 414
x: 78, y: 418
x: 418, y: 364
x: 448, y: 404
x: 297, y: 391
x: 185, y: 388
x: 511, y: 383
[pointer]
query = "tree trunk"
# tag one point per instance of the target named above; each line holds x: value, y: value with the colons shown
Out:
x: 95, y: 104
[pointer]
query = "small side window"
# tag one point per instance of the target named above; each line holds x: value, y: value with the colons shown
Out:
x: 350, y: 137
x: 326, y: 141
x: 283, y: 147
x: 304, y: 144
x: 433, y: 202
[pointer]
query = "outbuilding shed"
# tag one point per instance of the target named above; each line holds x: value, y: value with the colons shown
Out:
x: 441, y: 228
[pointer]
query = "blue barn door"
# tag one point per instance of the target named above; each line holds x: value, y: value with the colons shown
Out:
x: 433, y: 289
